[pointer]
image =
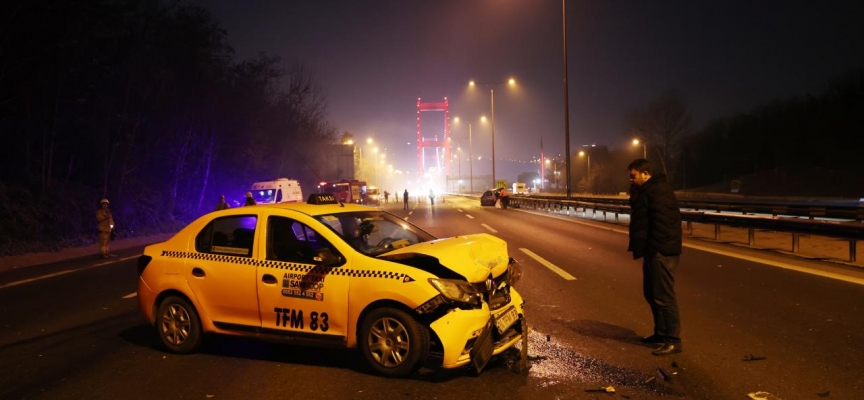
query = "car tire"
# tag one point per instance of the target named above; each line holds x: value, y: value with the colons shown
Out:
x: 393, y: 343
x: 178, y: 325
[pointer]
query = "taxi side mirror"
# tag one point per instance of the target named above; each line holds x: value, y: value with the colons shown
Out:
x: 326, y: 258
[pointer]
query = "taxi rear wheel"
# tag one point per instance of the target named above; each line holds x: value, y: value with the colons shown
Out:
x: 393, y: 342
x: 178, y: 325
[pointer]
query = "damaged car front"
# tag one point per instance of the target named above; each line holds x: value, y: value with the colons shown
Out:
x: 413, y: 295
x: 477, y: 312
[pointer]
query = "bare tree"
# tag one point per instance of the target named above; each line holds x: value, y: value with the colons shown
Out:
x: 660, y: 126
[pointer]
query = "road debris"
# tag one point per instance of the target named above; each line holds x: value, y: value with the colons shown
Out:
x: 751, y: 357
x: 607, y: 389
x: 762, y: 396
x: 662, y: 374
x: 824, y: 394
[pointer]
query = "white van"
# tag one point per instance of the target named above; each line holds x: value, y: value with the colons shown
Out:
x: 282, y: 190
x: 519, y: 188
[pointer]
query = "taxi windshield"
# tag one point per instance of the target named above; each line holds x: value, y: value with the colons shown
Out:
x: 374, y: 232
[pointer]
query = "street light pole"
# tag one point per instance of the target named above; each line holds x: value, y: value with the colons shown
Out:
x: 566, y: 96
x: 471, y: 158
x: 587, y: 157
x: 491, y: 87
x: 492, y: 97
x: 459, y: 150
x: 375, y: 171
x: 644, y: 148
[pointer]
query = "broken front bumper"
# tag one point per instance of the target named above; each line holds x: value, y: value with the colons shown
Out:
x: 477, y: 335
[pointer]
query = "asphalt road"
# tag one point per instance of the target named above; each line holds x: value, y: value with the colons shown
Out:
x: 77, y: 333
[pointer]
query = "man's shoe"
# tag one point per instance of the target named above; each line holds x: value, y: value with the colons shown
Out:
x: 668, y: 349
x: 653, y: 339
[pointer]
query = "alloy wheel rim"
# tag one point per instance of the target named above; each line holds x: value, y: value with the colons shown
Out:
x: 176, y: 324
x: 389, y: 342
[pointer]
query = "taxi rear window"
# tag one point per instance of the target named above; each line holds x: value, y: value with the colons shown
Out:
x: 232, y: 235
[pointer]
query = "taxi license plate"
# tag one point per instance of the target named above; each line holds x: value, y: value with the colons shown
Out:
x: 504, y: 320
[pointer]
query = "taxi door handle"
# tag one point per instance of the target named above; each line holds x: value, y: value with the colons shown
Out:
x: 269, y: 279
x: 198, y: 272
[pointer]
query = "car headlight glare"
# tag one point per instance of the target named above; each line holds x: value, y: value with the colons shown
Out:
x: 454, y: 290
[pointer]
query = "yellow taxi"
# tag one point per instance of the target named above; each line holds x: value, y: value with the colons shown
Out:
x: 331, y: 274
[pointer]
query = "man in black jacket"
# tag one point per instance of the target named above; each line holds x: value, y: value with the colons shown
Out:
x: 655, y: 236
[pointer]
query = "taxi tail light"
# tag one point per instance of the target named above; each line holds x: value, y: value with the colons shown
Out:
x: 143, y: 261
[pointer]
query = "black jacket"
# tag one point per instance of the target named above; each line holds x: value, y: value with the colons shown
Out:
x: 655, y: 219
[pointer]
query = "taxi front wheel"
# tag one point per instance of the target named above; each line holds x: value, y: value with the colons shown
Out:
x: 393, y: 342
x: 178, y: 325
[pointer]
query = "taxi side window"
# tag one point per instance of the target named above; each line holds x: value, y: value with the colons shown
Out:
x: 228, y: 235
x: 292, y: 241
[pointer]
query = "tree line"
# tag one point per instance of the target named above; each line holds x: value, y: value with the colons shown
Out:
x: 806, y: 147
x: 145, y: 105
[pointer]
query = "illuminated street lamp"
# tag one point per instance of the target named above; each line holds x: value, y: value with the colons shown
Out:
x: 491, y: 86
x: 644, y: 147
x: 471, y: 152
x: 588, y: 157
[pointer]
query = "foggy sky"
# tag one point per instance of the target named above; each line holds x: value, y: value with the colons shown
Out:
x: 375, y: 58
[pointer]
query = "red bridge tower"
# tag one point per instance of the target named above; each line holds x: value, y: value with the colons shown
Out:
x: 441, y: 147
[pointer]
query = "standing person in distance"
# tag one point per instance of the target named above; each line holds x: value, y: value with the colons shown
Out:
x: 655, y: 236
x: 222, y: 204
x: 105, y: 224
x: 250, y: 201
x: 505, y: 198
x: 405, y: 200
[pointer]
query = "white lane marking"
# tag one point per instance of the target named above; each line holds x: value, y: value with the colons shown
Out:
x: 469, y: 216
x: 68, y: 271
x: 459, y: 209
x: 780, y: 264
x: 131, y: 295
x: 549, y: 265
x: 489, y: 228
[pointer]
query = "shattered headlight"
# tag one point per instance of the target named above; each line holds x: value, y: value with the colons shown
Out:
x: 459, y: 291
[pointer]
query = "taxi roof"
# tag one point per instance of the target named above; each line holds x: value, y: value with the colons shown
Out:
x: 318, y: 209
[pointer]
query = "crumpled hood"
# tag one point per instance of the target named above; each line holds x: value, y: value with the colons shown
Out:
x: 472, y: 256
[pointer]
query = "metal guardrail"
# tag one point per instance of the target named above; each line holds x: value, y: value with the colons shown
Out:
x: 851, y: 231
x: 697, y: 202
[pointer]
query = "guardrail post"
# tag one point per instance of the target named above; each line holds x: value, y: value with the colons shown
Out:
x: 616, y: 217
x: 751, y: 237
x: 796, y: 242
x: 690, y: 228
x: 716, y: 231
x: 853, y: 250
